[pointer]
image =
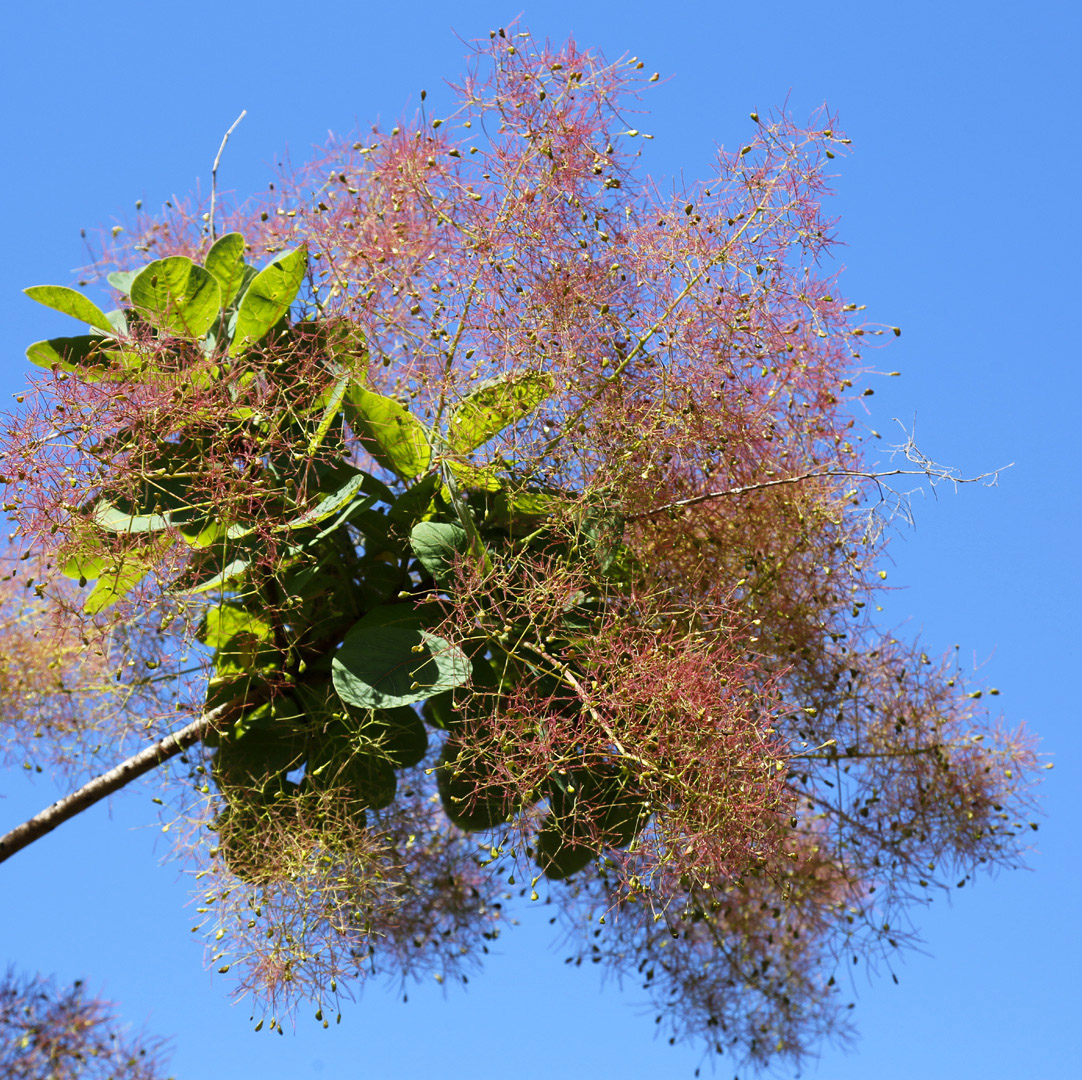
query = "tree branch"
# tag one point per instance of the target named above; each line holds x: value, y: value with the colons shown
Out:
x: 812, y: 474
x: 214, y: 170
x: 119, y: 776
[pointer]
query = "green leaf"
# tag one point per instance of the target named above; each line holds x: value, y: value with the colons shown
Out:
x: 225, y: 261
x: 205, y: 530
x: 591, y: 809
x: 604, y: 532
x: 560, y: 855
x: 229, y: 575
x: 227, y: 561
x: 84, y: 355
x: 344, y: 344
x: 121, y: 280
x: 389, y: 659
x: 389, y: 432
x: 177, y: 297
x: 333, y: 502
x: 470, y: 790
x: 473, y: 477
x: 368, y: 780
x: 87, y: 564
x: 332, y: 400
x: 268, y: 298
x: 436, y: 545
x: 257, y: 751
x: 379, y: 581
x: 70, y: 302
x: 227, y: 621
x: 440, y: 712
x: 416, y: 502
x: 111, y: 519
x: 512, y: 505
x: 247, y: 277
x: 115, y: 583
x: 495, y: 406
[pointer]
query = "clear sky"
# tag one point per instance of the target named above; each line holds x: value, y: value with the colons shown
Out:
x: 959, y: 206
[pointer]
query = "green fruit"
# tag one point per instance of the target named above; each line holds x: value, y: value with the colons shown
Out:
x: 245, y: 842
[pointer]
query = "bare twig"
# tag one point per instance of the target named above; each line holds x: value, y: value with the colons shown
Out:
x: 932, y: 472
x: 120, y: 775
x: 214, y: 169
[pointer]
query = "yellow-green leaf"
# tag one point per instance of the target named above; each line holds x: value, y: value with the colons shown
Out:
x: 70, y: 302
x: 84, y: 355
x: 225, y: 261
x: 473, y: 476
x: 115, y: 583
x: 495, y: 406
x: 268, y: 298
x: 226, y: 621
x: 331, y: 400
x: 177, y: 296
x: 111, y: 519
x: 389, y: 432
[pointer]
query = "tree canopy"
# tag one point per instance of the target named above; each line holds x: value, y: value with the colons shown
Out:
x: 64, y: 1034
x: 465, y: 487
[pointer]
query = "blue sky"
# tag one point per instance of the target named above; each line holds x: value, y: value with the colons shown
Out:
x: 958, y: 206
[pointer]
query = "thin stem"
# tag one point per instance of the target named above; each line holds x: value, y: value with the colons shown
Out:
x: 812, y: 474
x: 214, y: 170
x: 119, y: 776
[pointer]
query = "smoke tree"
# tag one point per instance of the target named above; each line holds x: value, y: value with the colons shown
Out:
x: 467, y: 489
x: 63, y: 1034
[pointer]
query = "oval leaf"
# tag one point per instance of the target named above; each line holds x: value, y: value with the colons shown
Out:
x: 332, y: 502
x: 495, y: 406
x: 83, y: 355
x: 115, y: 583
x: 401, y: 736
x: 227, y: 621
x: 437, y: 544
x: 121, y: 280
x: 470, y: 790
x: 560, y: 854
x: 111, y: 519
x: 70, y: 302
x: 225, y: 261
x: 389, y: 432
x: 268, y: 298
x: 474, y: 477
x: 88, y: 563
x: 388, y: 659
x: 177, y: 296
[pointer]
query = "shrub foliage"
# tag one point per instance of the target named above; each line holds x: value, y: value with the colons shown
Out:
x: 468, y: 486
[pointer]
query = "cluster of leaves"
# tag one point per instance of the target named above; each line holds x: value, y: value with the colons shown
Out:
x: 61, y: 1033
x: 319, y: 654
x: 511, y: 497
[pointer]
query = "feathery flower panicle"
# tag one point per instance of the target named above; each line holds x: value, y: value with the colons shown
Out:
x: 49, y: 1031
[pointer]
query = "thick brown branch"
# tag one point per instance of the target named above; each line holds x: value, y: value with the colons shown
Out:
x: 108, y: 782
